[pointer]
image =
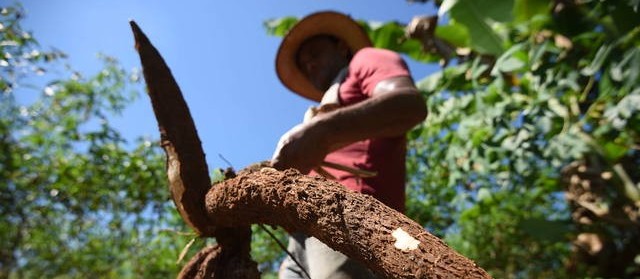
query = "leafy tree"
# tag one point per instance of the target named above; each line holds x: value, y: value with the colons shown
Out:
x: 528, y: 161
x: 77, y: 200
x: 517, y: 122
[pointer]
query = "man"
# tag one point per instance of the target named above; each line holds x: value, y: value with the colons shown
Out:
x: 367, y: 103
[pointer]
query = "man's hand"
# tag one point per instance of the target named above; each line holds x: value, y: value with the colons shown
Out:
x: 301, y: 148
x: 395, y: 107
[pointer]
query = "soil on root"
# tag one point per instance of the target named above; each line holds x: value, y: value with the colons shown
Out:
x: 357, y: 225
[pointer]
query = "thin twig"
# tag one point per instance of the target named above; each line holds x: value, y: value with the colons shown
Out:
x: 284, y: 249
x: 225, y: 160
x: 587, y: 89
x: 631, y: 191
x: 357, y: 172
x: 178, y: 232
x: 325, y: 173
x: 185, y: 250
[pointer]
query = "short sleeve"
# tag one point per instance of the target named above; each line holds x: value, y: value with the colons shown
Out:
x: 368, y: 67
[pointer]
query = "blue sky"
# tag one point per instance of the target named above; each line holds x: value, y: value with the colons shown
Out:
x: 218, y: 52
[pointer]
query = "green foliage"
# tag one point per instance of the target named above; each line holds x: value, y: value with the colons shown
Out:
x: 280, y: 26
x: 504, y: 121
x: 17, y: 58
x: 480, y: 19
x: 453, y: 33
x: 266, y: 251
x: 77, y: 199
x: 391, y: 36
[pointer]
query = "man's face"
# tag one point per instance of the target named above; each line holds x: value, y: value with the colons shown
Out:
x: 321, y: 58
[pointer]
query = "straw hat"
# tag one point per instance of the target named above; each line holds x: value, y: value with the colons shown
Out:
x: 327, y: 23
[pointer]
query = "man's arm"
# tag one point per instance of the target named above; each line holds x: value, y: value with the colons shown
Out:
x: 394, y: 108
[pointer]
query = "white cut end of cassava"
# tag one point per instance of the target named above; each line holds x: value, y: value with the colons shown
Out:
x: 404, y: 241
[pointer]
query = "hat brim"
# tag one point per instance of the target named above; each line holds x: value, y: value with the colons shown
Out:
x: 328, y: 23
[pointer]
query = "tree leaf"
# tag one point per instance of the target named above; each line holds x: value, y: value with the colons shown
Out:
x: 454, y: 33
x: 525, y: 10
x: 484, y: 194
x: 614, y: 151
x: 430, y: 83
x: 478, y: 17
x: 446, y: 6
x: 512, y: 60
x: 598, y: 60
x: 391, y: 35
x: 280, y: 26
x: 558, y: 108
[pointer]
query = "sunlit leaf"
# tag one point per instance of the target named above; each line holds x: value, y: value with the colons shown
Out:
x: 525, y: 10
x: 512, y: 60
x: 597, y: 61
x: 453, y: 33
x: 478, y: 17
x: 280, y: 26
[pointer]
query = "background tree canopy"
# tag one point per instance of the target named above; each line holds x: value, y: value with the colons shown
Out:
x: 77, y: 200
x: 527, y: 163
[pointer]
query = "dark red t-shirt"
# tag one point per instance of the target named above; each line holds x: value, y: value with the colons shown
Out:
x: 386, y: 156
